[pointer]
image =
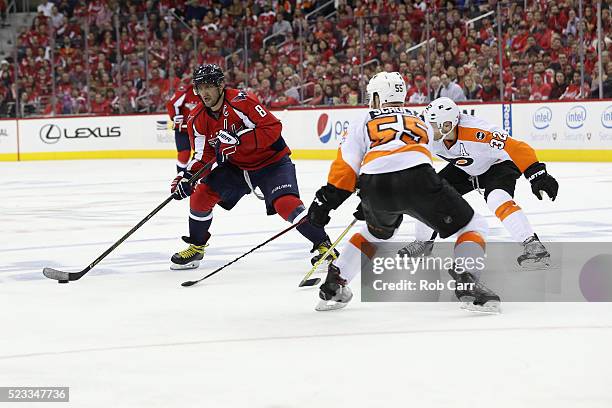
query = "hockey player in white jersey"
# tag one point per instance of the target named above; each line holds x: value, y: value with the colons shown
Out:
x: 483, y: 156
x: 386, y: 153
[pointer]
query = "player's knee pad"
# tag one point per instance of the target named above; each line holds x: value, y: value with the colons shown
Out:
x: 477, y: 224
x: 379, y: 233
x: 182, y: 156
x: 204, y: 198
x: 289, y: 207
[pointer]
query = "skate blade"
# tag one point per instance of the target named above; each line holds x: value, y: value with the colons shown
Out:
x: 491, y: 307
x: 539, y: 263
x: 327, y: 305
x: 190, y: 265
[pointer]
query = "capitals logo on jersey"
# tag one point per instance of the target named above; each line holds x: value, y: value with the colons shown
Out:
x: 240, y: 97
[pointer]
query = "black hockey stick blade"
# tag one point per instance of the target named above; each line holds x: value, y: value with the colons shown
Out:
x: 310, y: 282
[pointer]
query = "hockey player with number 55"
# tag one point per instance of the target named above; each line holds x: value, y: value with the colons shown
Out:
x: 232, y: 125
x: 386, y: 152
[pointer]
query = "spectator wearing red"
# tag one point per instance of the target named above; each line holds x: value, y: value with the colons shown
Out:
x: 490, y: 92
x: 523, y: 92
x: 100, y: 105
x: 540, y: 91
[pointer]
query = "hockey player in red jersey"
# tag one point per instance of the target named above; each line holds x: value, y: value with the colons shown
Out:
x: 251, y: 153
x: 179, y: 106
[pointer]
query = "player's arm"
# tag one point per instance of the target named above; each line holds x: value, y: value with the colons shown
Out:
x: 203, y: 153
x: 342, y: 177
x: 525, y: 158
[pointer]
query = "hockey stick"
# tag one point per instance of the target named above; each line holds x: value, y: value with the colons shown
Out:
x: 219, y: 269
x: 65, y: 277
x: 314, y: 281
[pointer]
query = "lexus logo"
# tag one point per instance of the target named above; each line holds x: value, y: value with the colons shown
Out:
x: 50, y: 134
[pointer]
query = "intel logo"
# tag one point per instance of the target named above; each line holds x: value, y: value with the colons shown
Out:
x: 542, y: 118
x: 576, y: 117
x: 606, y: 117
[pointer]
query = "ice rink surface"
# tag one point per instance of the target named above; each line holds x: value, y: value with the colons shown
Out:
x: 128, y: 335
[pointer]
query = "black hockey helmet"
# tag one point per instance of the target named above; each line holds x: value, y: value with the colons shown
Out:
x: 208, y: 74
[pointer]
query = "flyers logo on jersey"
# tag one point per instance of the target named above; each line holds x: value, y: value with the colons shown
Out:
x: 240, y: 97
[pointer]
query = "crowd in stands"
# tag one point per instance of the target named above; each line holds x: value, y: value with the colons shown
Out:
x: 108, y: 56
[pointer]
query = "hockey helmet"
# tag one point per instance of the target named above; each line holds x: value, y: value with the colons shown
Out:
x: 389, y: 86
x: 207, y: 74
x: 440, y: 111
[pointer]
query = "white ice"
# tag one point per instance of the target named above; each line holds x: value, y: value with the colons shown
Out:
x: 128, y: 335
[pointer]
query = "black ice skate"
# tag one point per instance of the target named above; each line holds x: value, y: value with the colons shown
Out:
x: 322, y: 249
x: 333, y: 292
x: 534, y: 254
x: 475, y: 296
x: 417, y: 248
x: 189, y: 258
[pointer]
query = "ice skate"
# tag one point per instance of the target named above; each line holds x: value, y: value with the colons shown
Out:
x: 333, y: 292
x: 188, y: 258
x: 416, y: 248
x: 322, y: 249
x: 475, y: 296
x: 534, y: 254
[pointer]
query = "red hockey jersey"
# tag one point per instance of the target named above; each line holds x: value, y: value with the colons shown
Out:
x: 258, y: 129
x: 182, y: 103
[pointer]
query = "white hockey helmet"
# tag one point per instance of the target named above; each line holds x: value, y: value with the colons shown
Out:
x: 440, y: 111
x: 389, y: 86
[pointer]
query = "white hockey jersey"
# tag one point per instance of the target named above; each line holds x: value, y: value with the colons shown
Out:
x: 384, y: 141
x: 480, y: 144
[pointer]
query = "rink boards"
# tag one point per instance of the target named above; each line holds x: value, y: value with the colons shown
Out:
x: 560, y: 131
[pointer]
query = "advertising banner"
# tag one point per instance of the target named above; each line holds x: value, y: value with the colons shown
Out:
x: 96, y: 137
x: 8, y: 140
x: 559, y: 131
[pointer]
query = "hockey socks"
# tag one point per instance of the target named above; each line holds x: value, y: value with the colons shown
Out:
x: 510, y: 214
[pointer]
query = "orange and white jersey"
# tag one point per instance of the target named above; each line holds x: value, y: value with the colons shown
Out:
x: 384, y: 141
x: 480, y: 144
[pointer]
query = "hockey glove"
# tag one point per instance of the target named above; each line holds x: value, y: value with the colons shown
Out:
x: 177, y: 121
x: 541, y: 181
x: 326, y: 199
x: 180, y: 187
x: 226, y: 144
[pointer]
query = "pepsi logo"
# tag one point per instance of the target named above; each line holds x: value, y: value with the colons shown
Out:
x: 324, y: 128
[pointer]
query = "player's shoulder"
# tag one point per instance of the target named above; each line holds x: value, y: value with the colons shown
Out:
x: 239, y: 97
x: 474, y: 129
x: 196, y: 111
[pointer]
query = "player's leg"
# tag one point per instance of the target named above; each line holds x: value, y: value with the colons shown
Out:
x: 278, y: 183
x: 499, y: 182
x: 380, y: 226
x: 441, y: 207
x: 224, y: 186
x: 201, y: 204
x: 183, y: 150
x: 424, y: 236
